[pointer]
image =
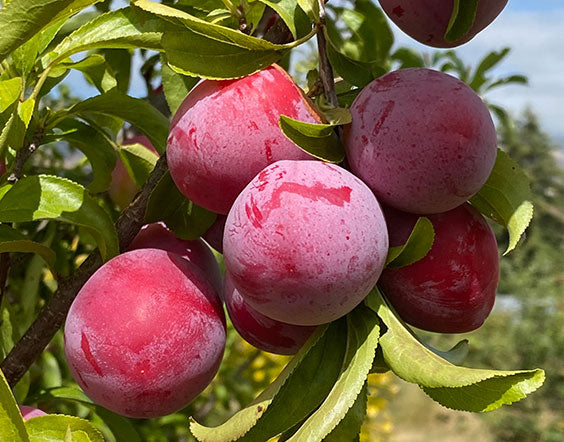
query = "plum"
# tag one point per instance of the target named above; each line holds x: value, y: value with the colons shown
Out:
x: 262, y: 332
x: 427, y: 20
x: 422, y: 140
x: 225, y: 132
x: 123, y: 188
x: 145, y: 334
x: 30, y: 412
x: 452, y: 289
x: 305, y: 242
x: 158, y: 236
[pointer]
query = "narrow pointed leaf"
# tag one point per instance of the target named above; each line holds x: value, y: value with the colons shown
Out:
x: 349, y: 428
x: 9, y: 92
x: 311, y: 8
x: 123, y: 28
x: 487, y: 63
x: 138, y: 161
x: 25, y: 245
x: 300, y: 388
x: 121, y: 428
x: 48, y: 197
x: 175, y: 86
x: 193, y: 54
x: 20, y: 20
x: 291, y: 13
x: 363, y: 332
x: 462, y: 19
x: 456, y: 355
x: 96, y: 70
x: 138, y: 112
x: 97, y: 149
x: 417, y: 246
x: 506, y: 198
x: 207, y: 29
x: 11, y: 421
x: 455, y: 387
x: 319, y: 140
x: 54, y: 427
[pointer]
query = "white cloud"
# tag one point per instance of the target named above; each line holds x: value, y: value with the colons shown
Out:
x: 537, y: 42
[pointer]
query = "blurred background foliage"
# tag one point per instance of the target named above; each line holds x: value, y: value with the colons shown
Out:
x: 525, y: 330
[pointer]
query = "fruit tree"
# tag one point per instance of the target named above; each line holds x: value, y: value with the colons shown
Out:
x: 141, y: 236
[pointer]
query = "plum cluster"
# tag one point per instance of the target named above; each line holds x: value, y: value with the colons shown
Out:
x: 304, y: 241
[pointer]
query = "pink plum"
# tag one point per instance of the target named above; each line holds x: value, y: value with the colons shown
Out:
x: 262, y: 332
x: 225, y: 132
x: 422, y: 140
x: 305, y: 242
x: 427, y: 20
x: 30, y: 412
x: 145, y: 334
x: 453, y: 288
x: 158, y: 236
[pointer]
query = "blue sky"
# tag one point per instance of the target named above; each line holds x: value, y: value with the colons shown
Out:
x: 535, y: 32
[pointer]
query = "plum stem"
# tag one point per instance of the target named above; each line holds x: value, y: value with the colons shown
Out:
x: 50, y: 319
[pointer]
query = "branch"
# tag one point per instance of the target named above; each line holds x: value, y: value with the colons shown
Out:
x: 325, y: 69
x: 23, y: 155
x: 50, y: 319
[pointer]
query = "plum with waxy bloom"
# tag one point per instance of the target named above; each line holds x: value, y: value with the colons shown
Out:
x: 305, y: 242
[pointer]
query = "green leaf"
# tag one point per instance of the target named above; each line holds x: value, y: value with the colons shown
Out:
x: 200, y: 48
x: 47, y: 197
x: 9, y: 92
x: 190, y: 53
x: 20, y: 20
x: 363, y: 331
x: 98, y: 150
x: 354, y: 72
x: 96, y: 70
x: 24, y: 56
x: 456, y: 355
x: 175, y: 86
x: 319, y: 140
x: 68, y: 435
x: 11, y: 421
x: 206, y: 29
x: 459, y: 388
x: 138, y: 161
x: 123, y: 28
x: 337, y: 116
x: 121, y: 428
x: 408, y: 58
x: 487, y: 63
x: 311, y: 8
x: 13, y: 241
x: 120, y: 63
x: 511, y: 79
x: 54, y: 427
x: 370, y: 35
x: 292, y: 14
x: 14, y: 132
x: 506, y: 198
x: 283, y: 404
x: 417, y: 246
x: 186, y: 219
x: 138, y: 112
x: 350, y: 426
x: 461, y: 20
